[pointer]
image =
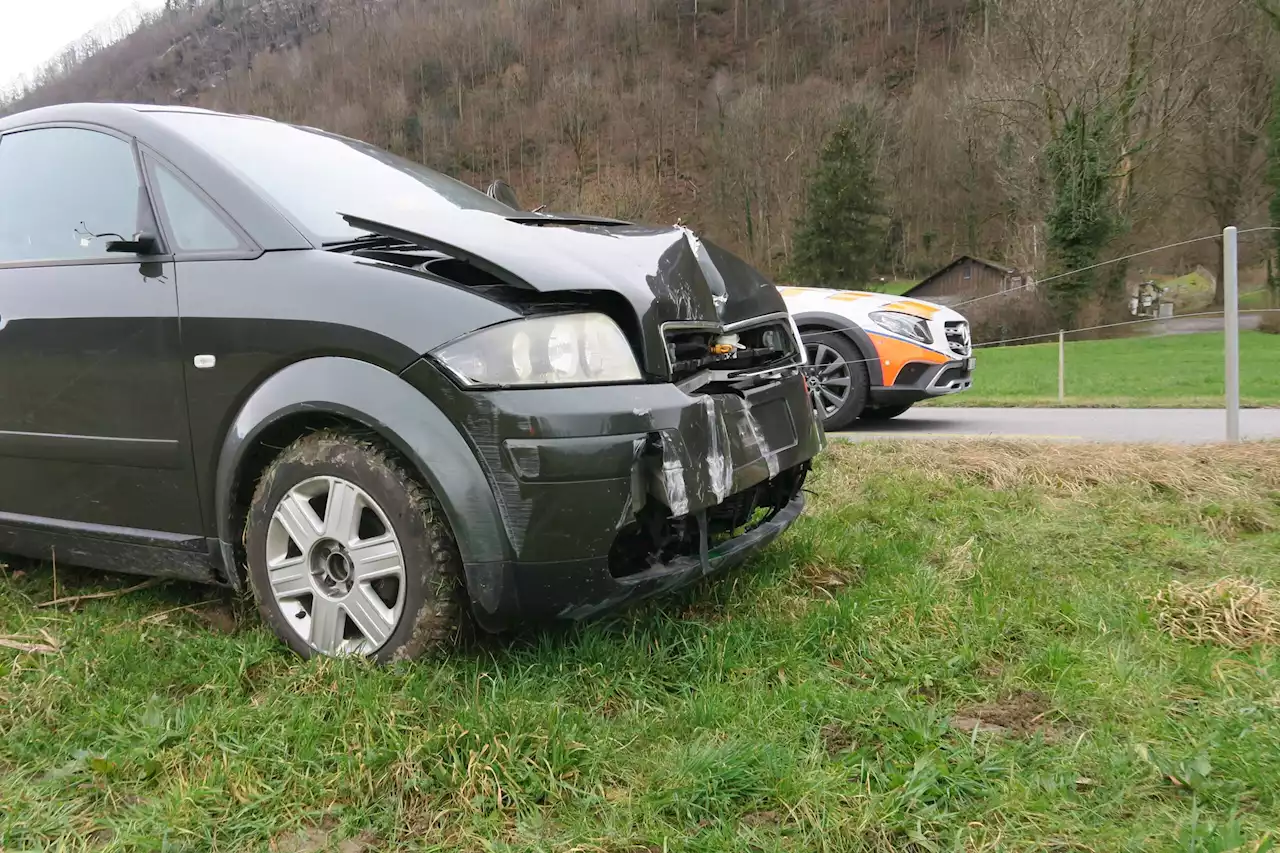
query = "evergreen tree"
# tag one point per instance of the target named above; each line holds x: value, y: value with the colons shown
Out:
x: 1082, y: 219
x: 841, y: 232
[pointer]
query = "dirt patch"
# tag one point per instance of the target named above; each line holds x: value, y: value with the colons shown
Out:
x: 307, y: 840
x: 991, y: 669
x: 320, y: 839
x: 1019, y: 715
x: 837, y: 739
x: 765, y: 818
x: 705, y: 610
x: 1231, y: 612
x: 99, y: 839
x: 365, y: 841
x: 926, y: 692
x: 825, y: 579
x: 221, y: 618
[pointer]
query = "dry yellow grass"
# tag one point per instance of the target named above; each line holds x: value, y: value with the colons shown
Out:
x: 1206, y: 472
x: 959, y: 563
x: 1230, y: 612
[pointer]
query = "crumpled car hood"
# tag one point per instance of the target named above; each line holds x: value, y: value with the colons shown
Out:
x: 665, y: 273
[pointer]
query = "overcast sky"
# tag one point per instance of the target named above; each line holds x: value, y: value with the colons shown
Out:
x: 31, y: 32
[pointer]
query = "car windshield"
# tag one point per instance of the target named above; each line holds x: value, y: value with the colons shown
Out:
x: 314, y: 176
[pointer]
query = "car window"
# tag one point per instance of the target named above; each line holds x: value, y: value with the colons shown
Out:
x: 61, y: 186
x: 193, y: 226
x: 315, y: 176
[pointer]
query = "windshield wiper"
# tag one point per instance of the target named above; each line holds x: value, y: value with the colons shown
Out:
x: 368, y: 241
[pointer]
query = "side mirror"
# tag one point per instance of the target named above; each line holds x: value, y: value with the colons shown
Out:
x: 141, y: 244
x: 502, y: 191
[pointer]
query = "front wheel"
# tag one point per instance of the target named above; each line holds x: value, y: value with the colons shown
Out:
x: 838, y: 377
x: 350, y: 555
x: 884, y: 413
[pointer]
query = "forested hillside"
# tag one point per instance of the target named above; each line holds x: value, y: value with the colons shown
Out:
x: 1039, y: 132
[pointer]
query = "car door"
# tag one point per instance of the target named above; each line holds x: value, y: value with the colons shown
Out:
x: 94, y: 435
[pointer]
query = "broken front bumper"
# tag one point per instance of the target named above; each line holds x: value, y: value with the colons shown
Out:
x: 612, y: 494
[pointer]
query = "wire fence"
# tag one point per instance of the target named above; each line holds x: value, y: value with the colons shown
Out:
x: 1099, y: 327
x: 1104, y: 323
x: 1036, y: 283
x: 842, y: 330
x: 1123, y: 259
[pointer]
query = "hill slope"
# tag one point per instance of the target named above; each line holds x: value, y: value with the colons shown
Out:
x: 641, y: 108
x: 712, y: 111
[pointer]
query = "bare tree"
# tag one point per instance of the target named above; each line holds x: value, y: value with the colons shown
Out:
x: 1226, y: 155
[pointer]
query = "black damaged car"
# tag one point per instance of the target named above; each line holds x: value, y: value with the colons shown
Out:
x: 251, y: 354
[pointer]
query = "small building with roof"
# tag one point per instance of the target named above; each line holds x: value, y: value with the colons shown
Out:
x: 967, y: 278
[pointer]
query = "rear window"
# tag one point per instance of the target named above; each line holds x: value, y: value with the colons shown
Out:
x: 312, y: 176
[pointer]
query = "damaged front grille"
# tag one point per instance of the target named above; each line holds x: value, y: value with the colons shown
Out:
x: 655, y: 539
x: 701, y: 353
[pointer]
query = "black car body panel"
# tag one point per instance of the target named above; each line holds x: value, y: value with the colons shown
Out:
x: 258, y: 327
x: 93, y: 409
x: 667, y: 275
x: 142, y: 395
x: 652, y: 449
x: 393, y: 409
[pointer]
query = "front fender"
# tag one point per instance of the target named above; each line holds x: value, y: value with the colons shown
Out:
x: 385, y: 403
x: 850, y: 329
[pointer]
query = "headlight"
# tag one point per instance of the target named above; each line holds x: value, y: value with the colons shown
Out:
x: 567, y: 349
x: 903, y: 324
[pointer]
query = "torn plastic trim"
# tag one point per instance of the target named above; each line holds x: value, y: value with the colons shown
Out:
x: 719, y: 449
x: 715, y: 280
x: 427, y: 242
x: 788, y: 361
x: 683, y: 571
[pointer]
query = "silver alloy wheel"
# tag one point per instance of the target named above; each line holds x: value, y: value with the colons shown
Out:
x: 829, y: 378
x: 335, y: 567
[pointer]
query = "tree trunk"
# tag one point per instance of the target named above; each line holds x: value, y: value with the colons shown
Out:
x: 1219, y: 294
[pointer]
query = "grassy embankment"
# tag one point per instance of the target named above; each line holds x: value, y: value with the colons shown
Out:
x: 980, y: 646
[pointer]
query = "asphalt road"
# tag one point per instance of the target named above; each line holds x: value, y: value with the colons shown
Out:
x: 1193, y: 426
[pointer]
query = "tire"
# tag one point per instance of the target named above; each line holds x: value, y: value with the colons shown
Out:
x: 884, y: 413
x: 833, y: 361
x: 341, y: 527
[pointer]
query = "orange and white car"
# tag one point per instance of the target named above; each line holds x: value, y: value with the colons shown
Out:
x: 873, y: 356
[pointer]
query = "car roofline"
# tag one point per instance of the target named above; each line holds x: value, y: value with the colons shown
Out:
x: 122, y: 116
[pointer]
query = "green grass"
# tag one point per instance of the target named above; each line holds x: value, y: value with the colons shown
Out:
x: 1194, y: 292
x: 897, y: 286
x: 1190, y: 292
x: 811, y: 701
x: 1168, y: 371
x: 1257, y: 299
